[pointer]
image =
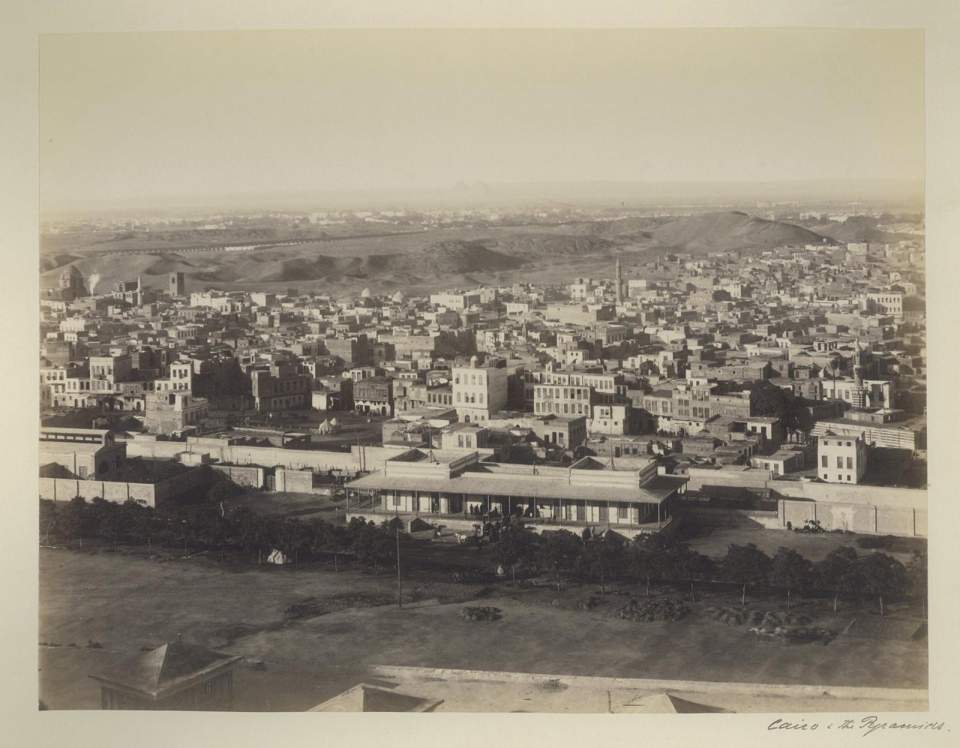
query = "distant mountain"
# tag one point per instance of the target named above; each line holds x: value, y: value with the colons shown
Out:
x: 532, y: 246
x: 446, y: 258
x: 51, y: 262
x: 439, y: 257
x: 856, y: 229
x: 731, y: 230
x: 459, y: 256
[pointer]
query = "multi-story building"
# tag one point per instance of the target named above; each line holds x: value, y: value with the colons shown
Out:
x: 173, y: 412
x: 884, y: 302
x: 421, y: 395
x: 180, y: 378
x: 479, y: 391
x: 177, y: 285
x: 565, y: 432
x: 374, y: 395
x: 282, y: 387
x: 610, y: 418
x: 456, y: 301
x: 574, y: 393
x: 111, y: 369
x: 909, y: 436
x: 841, y: 459
x: 581, y: 289
x: 353, y: 351
x: 692, y: 400
x: 734, y: 405
x: 859, y: 393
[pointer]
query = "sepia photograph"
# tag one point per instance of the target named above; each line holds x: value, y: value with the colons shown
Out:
x: 483, y: 370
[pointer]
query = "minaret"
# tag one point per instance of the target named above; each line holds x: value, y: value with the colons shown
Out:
x: 619, y: 282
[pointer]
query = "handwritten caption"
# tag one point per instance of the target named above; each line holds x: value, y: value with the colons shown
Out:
x: 866, y: 725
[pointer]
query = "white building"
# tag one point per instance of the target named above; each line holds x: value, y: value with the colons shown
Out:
x: 841, y: 459
x: 456, y: 301
x: 884, y: 302
x: 479, y: 391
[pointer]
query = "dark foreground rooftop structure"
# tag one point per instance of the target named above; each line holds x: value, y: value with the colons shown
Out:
x: 176, y: 675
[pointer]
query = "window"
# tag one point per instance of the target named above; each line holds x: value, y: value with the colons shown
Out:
x: 823, y: 461
x: 839, y: 462
x: 849, y: 463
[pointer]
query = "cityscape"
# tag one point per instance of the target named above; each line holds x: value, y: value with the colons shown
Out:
x: 511, y: 445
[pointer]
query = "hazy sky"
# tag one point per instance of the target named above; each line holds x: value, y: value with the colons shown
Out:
x: 126, y: 116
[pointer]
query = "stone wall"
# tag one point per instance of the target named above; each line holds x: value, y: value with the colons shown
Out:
x: 150, y: 494
x: 65, y: 489
x: 862, y: 518
x: 242, y: 475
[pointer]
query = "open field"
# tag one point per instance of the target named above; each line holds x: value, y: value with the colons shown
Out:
x: 345, y: 622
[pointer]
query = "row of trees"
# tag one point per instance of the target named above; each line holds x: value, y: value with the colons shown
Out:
x: 592, y: 557
x: 655, y: 558
x: 208, y: 526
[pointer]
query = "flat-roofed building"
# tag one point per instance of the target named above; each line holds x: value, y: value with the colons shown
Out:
x: 479, y: 391
x: 283, y: 387
x: 422, y: 395
x: 458, y: 489
x: 565, y: 432
x: 841, y: 459
x: 464, y: 436
x: 574, y: 393
x: 884, y: 302
x: 781, y: 462
x: 456, y: 301
x: 374, y: 395
x: 173, y: 412
x: 610, y: 418
x: 909, y: 435
x: 84, y: 453
x: 111, y: 369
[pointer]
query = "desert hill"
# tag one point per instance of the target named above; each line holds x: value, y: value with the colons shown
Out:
x: 731, y: 230
x: 856, y: 229
x: 437, y: 257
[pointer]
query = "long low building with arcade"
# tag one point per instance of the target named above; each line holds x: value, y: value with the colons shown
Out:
x: 459, y: 488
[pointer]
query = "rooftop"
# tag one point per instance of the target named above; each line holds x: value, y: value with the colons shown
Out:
x: 480, y: 483
x: 165, y: 670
